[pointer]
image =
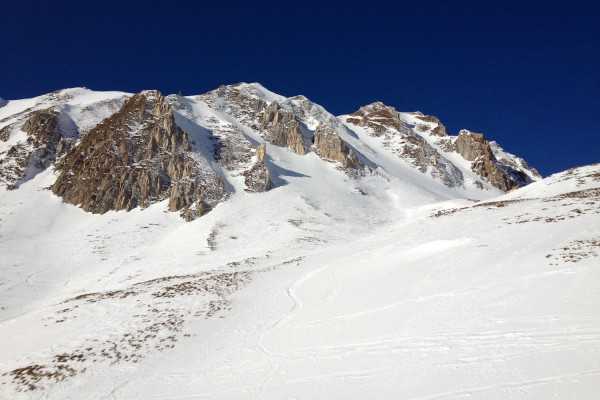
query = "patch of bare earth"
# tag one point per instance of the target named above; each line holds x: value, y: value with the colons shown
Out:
x: 577, y: 250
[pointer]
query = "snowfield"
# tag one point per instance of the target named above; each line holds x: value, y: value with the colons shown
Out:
x: 326, y: 286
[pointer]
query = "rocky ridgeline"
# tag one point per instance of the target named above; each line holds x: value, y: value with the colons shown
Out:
x: 385, y: 122
x: 503, y: 175
x: 137, y: 157
x: 409, y: 143
x: 141, y: 152
x: 239, y: 100
x: 439, y: 130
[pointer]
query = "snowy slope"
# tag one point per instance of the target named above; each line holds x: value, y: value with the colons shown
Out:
x: 298, y: 299
x: 385, y: 284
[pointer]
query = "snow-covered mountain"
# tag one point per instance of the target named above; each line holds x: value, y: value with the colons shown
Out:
x: 136, y: 150
x: 240, y: 244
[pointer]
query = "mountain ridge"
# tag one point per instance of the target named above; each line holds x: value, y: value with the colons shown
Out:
x: 243, y: 245
x: 226, y: 126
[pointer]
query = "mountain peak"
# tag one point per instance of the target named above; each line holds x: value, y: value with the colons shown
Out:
x: 255, y: 89
x: 231, y: 235
x: 117, y: 151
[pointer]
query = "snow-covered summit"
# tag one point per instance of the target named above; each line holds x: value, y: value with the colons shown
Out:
x: 226, y: 125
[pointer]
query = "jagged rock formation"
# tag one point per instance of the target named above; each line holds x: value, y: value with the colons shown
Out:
x: 386, y: 123
x: 239, y: 100
x: 40, y: 131
x: 423, y: 141
x: 329, y: 146
x: 258, y: 178
x: 278, y: 126
x: 283, y: 128
x: 44, y: 143
x: 378, y: 117
x: 137, y: 157
x: 439, y: 130
x: 115, y: 151
x: 473, y: 147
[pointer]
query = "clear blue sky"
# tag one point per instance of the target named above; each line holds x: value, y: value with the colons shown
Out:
x: 525, y: 73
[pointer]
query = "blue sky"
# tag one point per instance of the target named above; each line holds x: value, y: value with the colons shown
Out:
x: 525, y: 73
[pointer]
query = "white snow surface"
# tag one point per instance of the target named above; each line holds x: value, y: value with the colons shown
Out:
x: 391, y: 286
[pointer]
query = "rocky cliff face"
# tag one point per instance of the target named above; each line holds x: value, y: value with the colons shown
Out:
x: 330, y: 146
x: 423, y: 141
x: 283, y: 128
x: 41, y: 130
x: 43, y: 145
x: 258, y: 177
x: 278, y: 126
x: 473, y: 147
x: 438, y: 129
x: 386, y: 123
x: 137, y: 157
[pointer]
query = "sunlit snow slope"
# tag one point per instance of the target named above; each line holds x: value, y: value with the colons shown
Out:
x: 379, y: 284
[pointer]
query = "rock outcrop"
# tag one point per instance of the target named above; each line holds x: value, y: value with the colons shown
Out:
x: 283, y: 128
x: 43, y: 145
x: 278, y: 126
x: 378, y: 117
x: 239, y: 100
x: 386, y: 123
x: 473, y: 147
x: 137, y: 157
x: 329, y: 146
x: 439, y: 130
x: 258, y: 178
